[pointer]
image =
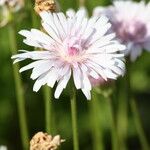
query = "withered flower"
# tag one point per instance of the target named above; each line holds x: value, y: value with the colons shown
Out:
x: 43, y: 141
x: 45, y: 5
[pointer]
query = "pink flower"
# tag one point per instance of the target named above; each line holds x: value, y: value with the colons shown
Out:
x: 97, y: 82
x: 72, y: 45
x: 131, y: 22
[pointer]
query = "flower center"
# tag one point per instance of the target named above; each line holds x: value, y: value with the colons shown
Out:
x: 72, y: 51
x: 73, y: 45
x: 134, y: 31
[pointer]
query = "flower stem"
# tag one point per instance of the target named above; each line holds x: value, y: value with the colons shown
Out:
x: 139, y: 128
x: 46, y: 90
x: 122, y: 117
x: 74, y: 118
x: 136, y: 116
x: 48, y: 109
x: 19, y: 90
x: 97, y: 131
x: 114, y: 136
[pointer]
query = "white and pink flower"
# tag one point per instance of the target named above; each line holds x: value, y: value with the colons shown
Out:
x: 131, y: 22
x: 72, y: 45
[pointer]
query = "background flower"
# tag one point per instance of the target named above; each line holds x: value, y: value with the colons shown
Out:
x: 7, y: 6
x: 74, y: 45
x: 12, y: 4
x: 3, y: 147
x: 131, y: 22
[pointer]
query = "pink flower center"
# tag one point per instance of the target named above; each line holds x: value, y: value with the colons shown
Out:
x: 134, y: 31
x: 72, y: 51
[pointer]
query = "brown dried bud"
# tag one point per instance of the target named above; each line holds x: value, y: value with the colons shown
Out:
x: 43, y: 141
x: 45, y: 5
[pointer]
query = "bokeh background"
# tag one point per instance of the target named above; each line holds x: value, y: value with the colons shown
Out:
x: 9, y: 121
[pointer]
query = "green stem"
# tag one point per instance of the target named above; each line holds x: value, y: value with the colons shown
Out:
x: 136, y: 116
x: 114, y: 136
x: 138, y: 125
x: 35, y: 19
x: 123, y: 98
x: 74, y: 119
x: 48, y: 109
x: 46, y: 90
x: 123, y: 91
x: 19, y: 90
x: 96, y: 127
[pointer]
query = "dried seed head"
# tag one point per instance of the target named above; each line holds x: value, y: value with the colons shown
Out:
x: 43, y: 141
x: 45, y: 5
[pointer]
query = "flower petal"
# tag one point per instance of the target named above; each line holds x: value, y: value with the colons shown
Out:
x: 62, y: 84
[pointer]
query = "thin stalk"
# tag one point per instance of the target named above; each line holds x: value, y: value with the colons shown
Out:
x: 48, y: 109
x: 97, y: 131
x: 122, y: 118
x: 74, y: 119
x: 123, y: 92
x: 138, y: 125
x: 35, y: 19
x: 19, y: 90
x: 46, y: 90
x: 136, y: 116
x: 114, y: 136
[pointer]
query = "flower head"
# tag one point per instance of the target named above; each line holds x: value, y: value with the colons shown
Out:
x: 131, y: 22
x: 72, y: 45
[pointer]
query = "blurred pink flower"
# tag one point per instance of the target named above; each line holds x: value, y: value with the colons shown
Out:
x: 73, y: 45
x: 97, y: 82
x: 131, y: 22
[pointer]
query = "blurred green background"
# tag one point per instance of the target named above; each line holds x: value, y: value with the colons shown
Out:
x: 9, y: 125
